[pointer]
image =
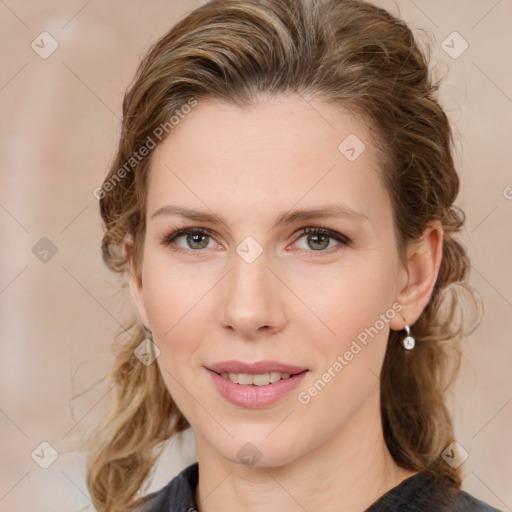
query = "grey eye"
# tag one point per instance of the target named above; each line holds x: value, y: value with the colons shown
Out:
x: 195, y: 240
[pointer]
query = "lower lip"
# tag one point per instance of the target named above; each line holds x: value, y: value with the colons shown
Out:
x: 255, y: 396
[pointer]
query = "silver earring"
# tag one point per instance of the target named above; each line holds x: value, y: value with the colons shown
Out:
x: 408, y: 341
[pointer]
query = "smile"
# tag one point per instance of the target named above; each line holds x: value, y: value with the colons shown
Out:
x: 260, y: 379
x: 255, y: 385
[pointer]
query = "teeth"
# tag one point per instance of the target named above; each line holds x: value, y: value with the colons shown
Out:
x: 261, y: 379
x: 245, y: 378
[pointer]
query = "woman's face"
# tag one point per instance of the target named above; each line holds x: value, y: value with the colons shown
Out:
x: 254, y: 288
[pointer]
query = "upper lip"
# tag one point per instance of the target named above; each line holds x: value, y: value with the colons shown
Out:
x: 258, y: 367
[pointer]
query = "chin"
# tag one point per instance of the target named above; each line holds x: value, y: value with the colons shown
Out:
x: 260, y: 452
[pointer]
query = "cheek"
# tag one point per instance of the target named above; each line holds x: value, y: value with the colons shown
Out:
x: 344, y: 300
x: 357, y: 306
x: 172, y: 292
x: 179, y: 308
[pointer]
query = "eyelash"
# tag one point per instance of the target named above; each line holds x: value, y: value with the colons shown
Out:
x: 314, y: 230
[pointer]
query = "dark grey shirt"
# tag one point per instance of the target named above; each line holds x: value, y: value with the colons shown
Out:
x: 417, y: 493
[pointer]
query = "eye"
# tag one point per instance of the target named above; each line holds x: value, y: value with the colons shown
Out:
x: 193, y: 239
x: 318, y: 239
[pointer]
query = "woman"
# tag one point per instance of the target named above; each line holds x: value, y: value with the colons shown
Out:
x: 282, y: 203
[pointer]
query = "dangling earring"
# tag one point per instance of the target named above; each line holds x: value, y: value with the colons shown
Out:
x: 408, y: 341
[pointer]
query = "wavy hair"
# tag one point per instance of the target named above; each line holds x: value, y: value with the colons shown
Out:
x: 346, y: 52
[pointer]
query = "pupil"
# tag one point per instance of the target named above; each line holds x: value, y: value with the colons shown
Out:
x: 192, y: 239
x: 323, y: 237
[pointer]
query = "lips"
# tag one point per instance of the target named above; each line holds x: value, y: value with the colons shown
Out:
x: 256, y: 396
x: 256, y: 368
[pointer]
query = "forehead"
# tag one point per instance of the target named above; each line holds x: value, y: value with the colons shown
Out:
x: 279, y: 152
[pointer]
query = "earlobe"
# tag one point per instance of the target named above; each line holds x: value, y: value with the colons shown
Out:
x: 423, y: 262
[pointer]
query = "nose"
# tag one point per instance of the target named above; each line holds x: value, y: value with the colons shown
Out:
x: 253, y: 299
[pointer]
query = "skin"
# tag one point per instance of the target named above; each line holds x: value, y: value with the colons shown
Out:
x: 293, y: 304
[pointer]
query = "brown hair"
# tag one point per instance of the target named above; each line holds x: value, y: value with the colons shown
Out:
x: 347, y: 52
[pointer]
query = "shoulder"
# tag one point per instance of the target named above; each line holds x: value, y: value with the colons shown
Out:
x: 177, y: 496
x: 423, y: 493
x: 472, y: 504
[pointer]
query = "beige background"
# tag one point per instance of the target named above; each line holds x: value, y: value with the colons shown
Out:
x: 59, y: 125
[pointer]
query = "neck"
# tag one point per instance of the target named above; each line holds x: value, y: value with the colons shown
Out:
x: 352, y: 469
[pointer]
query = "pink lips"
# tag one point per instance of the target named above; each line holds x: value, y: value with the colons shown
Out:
x: 252, y: 396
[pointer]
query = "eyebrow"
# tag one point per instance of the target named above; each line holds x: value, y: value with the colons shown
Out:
x: 288, y: 217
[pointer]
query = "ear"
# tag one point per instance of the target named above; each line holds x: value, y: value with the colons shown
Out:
x: 136, y: 283
x: 418, y: 277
